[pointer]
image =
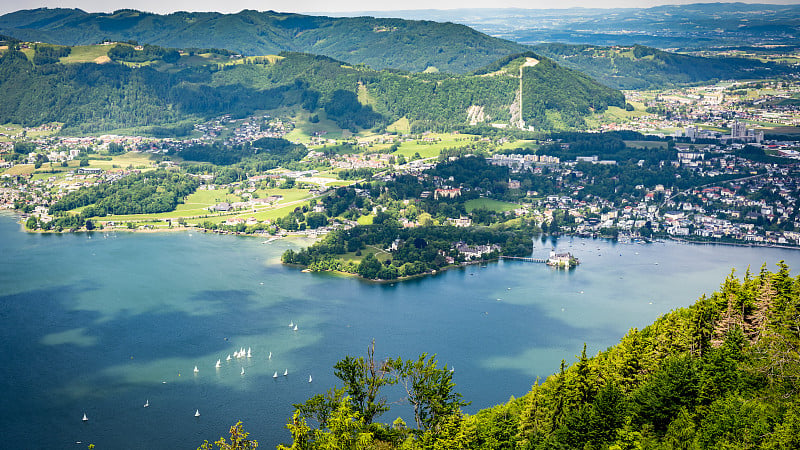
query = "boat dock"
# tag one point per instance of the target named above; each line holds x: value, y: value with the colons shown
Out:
x: 521, y: 258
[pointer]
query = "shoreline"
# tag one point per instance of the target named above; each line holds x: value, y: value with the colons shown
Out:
x: 463, y: 265
x: 304, y: 236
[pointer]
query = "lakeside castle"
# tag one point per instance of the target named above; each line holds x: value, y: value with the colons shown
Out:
x: 562, y: 260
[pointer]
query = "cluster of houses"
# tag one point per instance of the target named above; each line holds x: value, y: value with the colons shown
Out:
x: 699, y: 112
x: 252, y: 203
x: 475, y: 252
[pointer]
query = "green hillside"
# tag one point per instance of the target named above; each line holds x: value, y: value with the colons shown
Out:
x: 723, y: 373
x: 378, y: 43
x: 640, y: 67
x: 154, y: 87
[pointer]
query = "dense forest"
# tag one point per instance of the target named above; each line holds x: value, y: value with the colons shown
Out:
x: 385, y: 43
x: 723, y: 373
x: 380, y: 43
x: 139, y: 193
x: 640, y: 67
x: 416, y: 250
x: 91, y: 97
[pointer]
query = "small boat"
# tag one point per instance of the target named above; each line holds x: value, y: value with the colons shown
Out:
x: 309, y: 378
x: 275, y: 375
x: 196, y: 369
x: 197, y: 413
x: 85, y: 419
x: 248, y: 353
x: 270, y: 355
x: 242, y: 370
x: 291, y: 324
x: 286, y: 372
x: 147, y: 403
x: 218, y: 364
x: 295, y: 328
x: 228, y: 358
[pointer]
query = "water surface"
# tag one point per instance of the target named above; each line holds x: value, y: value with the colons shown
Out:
x: 100, y: 323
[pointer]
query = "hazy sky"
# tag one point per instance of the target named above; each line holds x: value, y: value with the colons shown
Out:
x: 165, y: 6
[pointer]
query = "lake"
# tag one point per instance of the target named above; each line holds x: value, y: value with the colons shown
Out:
x: 101, y: 323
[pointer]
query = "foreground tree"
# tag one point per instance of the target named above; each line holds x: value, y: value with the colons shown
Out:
x: 363, y: 379
x: 430, y: 390
x: 238, y: 441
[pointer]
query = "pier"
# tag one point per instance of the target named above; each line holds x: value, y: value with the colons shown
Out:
x: 521, y: 258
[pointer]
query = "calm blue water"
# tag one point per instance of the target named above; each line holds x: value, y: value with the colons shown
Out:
x: 100, y: 323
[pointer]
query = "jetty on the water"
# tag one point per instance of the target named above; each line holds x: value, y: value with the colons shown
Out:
x: 560, y: 260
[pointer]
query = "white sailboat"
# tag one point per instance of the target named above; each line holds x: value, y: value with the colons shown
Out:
x: 291, y: 324
x: 85, y: 419
x: 248, y: 353
x: 218, y: 364
x: 197, y: 413
x: 275, y: 375
x: 228, y: 358
x: 286, y: 372
x: 242, y: 370
x: 270, y: 355
x: 295, y: 328
x: 147, y: 403
x: 196, y: 369
x: 309, y: 378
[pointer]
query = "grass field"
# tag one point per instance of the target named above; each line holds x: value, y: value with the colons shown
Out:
x: 339, y: 183
x: 131, y: 159
x: 20, y: 169
x: 195, y: 207
x: 783, y: 130
x: 401, y: 125
x: 380, y: 254
x: 616, y: 113
x: 759, y: 124
x: 87, y: 53
x: 490, y: 204
x: 646, y: 144
x: 432, y: 149
x: 304, y: 129
x: 718, y: 129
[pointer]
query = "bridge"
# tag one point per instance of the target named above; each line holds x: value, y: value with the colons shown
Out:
x: 521, y: 258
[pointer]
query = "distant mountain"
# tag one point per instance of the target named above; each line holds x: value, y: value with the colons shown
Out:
x: 688, y: 27
x: 640, y: 67
x: 378, y: 43
x: 523, y: 90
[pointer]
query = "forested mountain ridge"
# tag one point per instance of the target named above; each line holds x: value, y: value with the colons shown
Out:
x: 379, y: 43
x: 722, y: 373
x: 641, y: 67
x: 411, y: 45
x: 89, y: 97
